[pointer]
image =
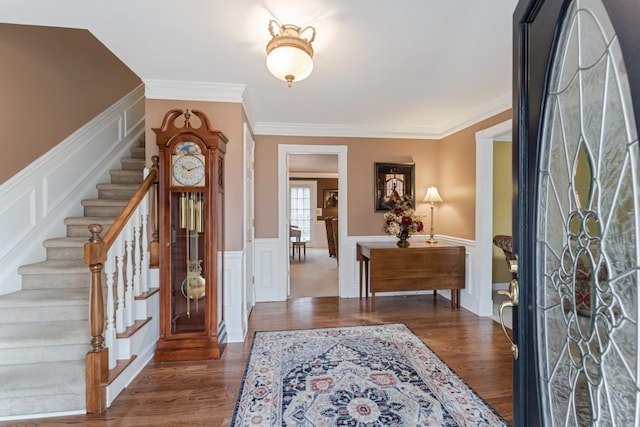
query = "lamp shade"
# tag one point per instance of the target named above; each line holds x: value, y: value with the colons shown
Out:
x: 432, y: 195
x: 289, y: 54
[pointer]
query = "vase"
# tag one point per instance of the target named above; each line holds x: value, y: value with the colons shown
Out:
x: 402, y: 239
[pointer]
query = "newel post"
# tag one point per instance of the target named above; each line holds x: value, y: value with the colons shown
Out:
x: 97, y: 359
x: 154, y: 245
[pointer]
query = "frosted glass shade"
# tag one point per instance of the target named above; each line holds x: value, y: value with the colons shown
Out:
x: 289, y: 63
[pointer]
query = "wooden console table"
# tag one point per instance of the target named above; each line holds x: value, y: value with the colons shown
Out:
x: 421, y: 266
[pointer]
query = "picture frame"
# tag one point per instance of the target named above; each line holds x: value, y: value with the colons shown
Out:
x: 394, y: 185
x: 330, y: 199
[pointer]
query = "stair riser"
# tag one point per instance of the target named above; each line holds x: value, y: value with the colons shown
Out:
x: 44, y: 314
x: 44, y: 353
x: 132, y: 164
x: 138, y: 152
x: 82, y: 230
x: 42, y: 404
x: 66, y: 253
x: 55, y: 281
x: 112, y: 211
x: 119, y: 178
x: 119, y: 194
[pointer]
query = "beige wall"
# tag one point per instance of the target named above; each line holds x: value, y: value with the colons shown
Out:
x: 457, y: 180
x: 52, y: 81
x: 362, y: 153
x: 228, y: 118
x: 502, y: 195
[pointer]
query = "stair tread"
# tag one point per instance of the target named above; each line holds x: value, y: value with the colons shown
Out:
x: 45, y: 297
x: 40, y: 334
x: 54, y: 266
x: 80, y: 220
x: 42, y: 379
x: 65, y: 242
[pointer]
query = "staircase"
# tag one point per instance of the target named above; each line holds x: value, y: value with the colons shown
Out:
x: 44, y: 328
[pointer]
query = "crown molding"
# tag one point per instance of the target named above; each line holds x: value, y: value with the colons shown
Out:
x: 226, y: 92
x: 498, y: 106
x: 194, y: 91
x: 335, y: 130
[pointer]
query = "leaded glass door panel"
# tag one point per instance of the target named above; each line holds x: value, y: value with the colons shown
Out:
x: 577, y: 213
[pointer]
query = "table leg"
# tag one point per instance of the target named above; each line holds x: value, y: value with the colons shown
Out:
x: 435, y: 296
x: 366, y: 278
x: 360, y: 267
x: 373, y: 301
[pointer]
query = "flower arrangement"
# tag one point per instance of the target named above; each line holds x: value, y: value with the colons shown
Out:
x: 402, y: 220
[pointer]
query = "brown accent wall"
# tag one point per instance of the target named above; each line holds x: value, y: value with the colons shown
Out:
x: 228, y: 118
x: 457, y: 180
x: 52, y: 81
x: 362, y: 153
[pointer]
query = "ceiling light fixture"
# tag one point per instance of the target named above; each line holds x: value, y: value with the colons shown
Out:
x: 289, y: 52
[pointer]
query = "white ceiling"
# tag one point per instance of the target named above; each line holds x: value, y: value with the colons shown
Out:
x: 410, y: 68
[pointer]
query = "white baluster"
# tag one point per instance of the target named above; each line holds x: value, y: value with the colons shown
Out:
x: 136, y: 252
x: 144, y: 247
x: 119, y: 252
x: 110, y: 329
x: 128, y: 293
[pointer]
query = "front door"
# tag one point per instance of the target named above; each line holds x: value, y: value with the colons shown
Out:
x: 576, y: 217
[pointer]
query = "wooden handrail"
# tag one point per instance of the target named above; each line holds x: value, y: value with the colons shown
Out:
x: 95, y: 254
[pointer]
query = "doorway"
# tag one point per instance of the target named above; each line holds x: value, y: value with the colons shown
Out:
x: 287, y: 153
x: 313, y: 189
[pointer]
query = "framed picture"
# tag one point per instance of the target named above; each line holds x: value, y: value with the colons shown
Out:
x: 330, y: 198
x: 394, y: 184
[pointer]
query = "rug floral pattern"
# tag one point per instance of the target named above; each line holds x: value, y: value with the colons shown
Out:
x: 361, y: 376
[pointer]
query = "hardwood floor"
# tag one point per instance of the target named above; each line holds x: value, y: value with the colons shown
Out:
x: 204, y: 393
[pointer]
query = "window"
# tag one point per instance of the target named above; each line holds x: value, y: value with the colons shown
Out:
x: 301, y: 209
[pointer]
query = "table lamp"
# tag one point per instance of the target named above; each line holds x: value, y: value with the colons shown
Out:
x: 432, y: 197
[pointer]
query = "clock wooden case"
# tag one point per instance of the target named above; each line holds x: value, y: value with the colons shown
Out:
x: 191, y: 227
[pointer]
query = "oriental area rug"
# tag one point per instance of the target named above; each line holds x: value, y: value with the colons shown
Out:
x: 380, y: 375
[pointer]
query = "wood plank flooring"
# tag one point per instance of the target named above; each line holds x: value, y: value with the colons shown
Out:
x: 204, y: 393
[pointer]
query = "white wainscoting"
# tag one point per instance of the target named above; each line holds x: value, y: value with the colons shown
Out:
x: 271, y: 282
x: 235, y: 315
x: 35, y: 201
x: 271, y: 279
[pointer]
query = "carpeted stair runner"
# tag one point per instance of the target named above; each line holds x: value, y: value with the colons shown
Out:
x: 44, y: 328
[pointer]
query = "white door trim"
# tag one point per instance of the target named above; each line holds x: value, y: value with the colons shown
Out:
x: 484, y: 212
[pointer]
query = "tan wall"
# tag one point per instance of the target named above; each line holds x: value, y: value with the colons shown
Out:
x: 457, y: 180
x: 502, y: 194
x: 52, y: 81
x: 228, y: 118
x: 362, y: 153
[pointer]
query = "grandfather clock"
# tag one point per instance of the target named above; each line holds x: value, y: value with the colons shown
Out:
x: 191, y: 226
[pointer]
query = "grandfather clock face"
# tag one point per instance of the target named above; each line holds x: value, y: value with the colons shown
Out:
x: 188, y: 165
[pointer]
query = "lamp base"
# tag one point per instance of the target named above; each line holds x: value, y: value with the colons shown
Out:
x: 431, y: 240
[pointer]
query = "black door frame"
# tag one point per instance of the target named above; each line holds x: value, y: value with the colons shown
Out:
x: 536, y: 26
